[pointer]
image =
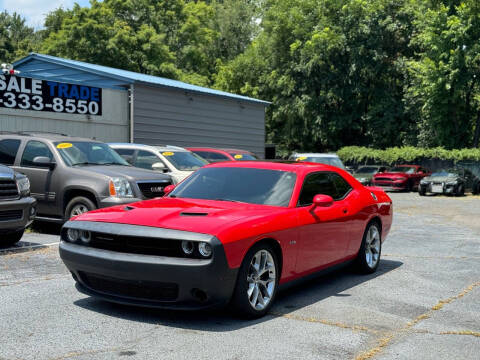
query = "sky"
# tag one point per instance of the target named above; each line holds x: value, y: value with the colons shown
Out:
x: 34, y: 11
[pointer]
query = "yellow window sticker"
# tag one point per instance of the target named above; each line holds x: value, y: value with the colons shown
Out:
x: 301, y: 158
x: 64, y: 146
x: 167, y: 153
x: 238, y: 156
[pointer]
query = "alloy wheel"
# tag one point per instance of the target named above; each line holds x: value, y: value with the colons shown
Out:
x: 78, y: 210
x: 261, y: 279
x: 372, y: 246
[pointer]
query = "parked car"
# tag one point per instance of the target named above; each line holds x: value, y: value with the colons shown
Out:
x: 229, y: 233
x: 213, y: 155
x: 327, y: 159
x: 364, y: 174
x: 400, y: 178
x: 173, y: 160
x: 17, y: 207
x: 452, y: 181
x: 70, y: 175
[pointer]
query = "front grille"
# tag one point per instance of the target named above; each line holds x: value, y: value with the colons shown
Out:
x: 152, y: 190
x: 8, y: 189
x: 148, y: 290
x: 136, y: 245
x: 11, y: 215
x: 382, y: 179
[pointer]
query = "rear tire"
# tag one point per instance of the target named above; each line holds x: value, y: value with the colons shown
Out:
x: 257, y: 282
x: 77, y: 206
x: 11, y: 239
x: 368, y: 256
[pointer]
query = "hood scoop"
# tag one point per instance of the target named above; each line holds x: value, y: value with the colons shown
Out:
x: 128, y: 208
x: 193, y: 213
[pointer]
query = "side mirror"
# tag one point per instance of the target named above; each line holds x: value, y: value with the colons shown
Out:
x: 43, y: 161
x: 159, y: 167
x: 168, y: 189
x: 321, y: 200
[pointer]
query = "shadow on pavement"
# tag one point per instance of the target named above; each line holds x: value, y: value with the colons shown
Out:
x: 220, y: 320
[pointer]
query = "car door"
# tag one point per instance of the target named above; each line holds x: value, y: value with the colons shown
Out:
x: 323, y: 232
x: 40, y: 177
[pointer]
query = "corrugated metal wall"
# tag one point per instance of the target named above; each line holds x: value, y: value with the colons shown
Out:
x: 176, y: 117
x: 113, y: 125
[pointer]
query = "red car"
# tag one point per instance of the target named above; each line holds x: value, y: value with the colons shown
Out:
x: 400, y: 178
x: 230, y: 233
x: 213, y: 155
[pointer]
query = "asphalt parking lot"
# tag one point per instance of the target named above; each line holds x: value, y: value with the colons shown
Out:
x: 423, y: 303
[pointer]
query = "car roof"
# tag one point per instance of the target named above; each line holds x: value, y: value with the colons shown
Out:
x: 404, y: 165
x: 239, y: 151
x: 45, y: 136
x: 331, y: 155
x: 151, y: 147
x: 294, y: 166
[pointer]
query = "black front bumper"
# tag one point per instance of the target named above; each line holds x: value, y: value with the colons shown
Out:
x: 16, y: 222
x: 150, y: 280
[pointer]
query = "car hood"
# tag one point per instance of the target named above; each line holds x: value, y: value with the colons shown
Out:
x: 441, y: 178
x: 129, y: 172
x: 195, y: 215
x: 362, y: 175
x: 6, y: 173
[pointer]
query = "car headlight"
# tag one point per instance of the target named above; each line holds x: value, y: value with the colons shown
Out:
x: 120, y: 187
x: 23, y: 185
x: 423, y: 182
x: 362, y: 180
x: 452, y: 182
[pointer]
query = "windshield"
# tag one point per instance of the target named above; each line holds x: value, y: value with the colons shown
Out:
x: 403, y: 169
x: 334, y: 161
x: 184, y: 160
x: 254, y: 186
x: 88, y: 153
x: 367, y: 170
x: 443, y: 173
x: 243, y: 157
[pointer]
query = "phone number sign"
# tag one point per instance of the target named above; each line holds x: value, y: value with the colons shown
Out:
x: 40, y: 95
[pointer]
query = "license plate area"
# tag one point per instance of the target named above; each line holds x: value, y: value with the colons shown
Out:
x: 437, y: 189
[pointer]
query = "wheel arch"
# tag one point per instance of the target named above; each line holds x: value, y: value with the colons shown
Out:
x: 73, y: 192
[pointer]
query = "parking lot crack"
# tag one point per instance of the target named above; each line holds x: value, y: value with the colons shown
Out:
x: 324, y: 322
x: 386, y: 339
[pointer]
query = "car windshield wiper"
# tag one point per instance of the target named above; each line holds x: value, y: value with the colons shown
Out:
x: 114, y: 163
x: 235, y: 201
x: 85, y: 163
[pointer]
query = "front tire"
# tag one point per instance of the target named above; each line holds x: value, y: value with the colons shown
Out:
x: 257, y: 282
x: 368, y: 256
x: 77, y: 206
x: 460, y: 191
x: 11, y: 239
x: 422, y: 191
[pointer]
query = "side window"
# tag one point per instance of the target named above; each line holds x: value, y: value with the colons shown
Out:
x: 32, y: 150
x: 319, y: 183
x: 8, y: 151
x: 145, y: 159
x: 342, y: 187
x: 126, y: 154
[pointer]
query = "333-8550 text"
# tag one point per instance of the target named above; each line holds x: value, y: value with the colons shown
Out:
x: 57, y: 104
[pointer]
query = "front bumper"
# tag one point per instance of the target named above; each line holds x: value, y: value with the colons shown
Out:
x: 149, y: 280
x: 447, y: 189
x: 26, y: 212
x: 113, y: 201
x: 391, y: 186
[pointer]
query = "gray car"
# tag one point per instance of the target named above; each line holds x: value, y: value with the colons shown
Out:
x: 450, y: 182
x: 17, y: 207
x: 70, y: 175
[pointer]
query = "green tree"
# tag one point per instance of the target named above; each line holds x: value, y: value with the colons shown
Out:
x: 444, y: 92
x: 16, y: 38
x: 333, y: 69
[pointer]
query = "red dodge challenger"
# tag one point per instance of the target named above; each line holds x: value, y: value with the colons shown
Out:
x: 230, y: 233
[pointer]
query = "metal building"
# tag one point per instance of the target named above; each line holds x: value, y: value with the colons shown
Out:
x: 133, y: 107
